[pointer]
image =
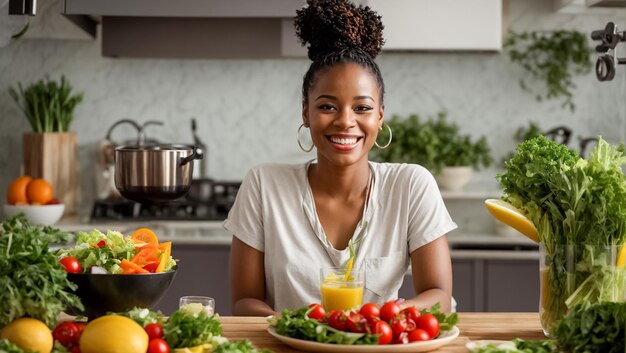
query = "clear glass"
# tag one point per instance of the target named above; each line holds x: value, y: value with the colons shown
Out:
x: 341, y: 292
x: 572, y: 274
x: 196, y: 303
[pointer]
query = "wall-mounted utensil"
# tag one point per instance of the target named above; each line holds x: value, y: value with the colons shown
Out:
x: 609, y: 37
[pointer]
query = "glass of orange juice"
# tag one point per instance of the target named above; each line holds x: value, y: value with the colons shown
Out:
x: 341, y: 291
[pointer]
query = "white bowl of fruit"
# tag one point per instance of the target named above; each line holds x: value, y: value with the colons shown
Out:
x: 35, y: 199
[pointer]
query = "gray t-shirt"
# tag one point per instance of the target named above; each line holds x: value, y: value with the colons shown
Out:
x: 275, y: 213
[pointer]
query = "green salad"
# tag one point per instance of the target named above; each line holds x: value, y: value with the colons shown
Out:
x: 116, y: 253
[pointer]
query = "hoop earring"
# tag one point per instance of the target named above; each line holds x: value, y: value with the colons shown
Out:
x: 390, y: 137
x: 300, y: 143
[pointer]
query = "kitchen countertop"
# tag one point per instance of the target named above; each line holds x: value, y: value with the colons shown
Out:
x: 463, y: 246
x: 473, y: 326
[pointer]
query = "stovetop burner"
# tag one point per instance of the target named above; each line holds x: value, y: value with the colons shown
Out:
x: 120, y: 209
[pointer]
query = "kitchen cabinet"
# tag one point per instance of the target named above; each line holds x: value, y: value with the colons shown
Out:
x: 491, y: 285
x: 441, y: 24
x: 480, y: 283
x: 202, y: 270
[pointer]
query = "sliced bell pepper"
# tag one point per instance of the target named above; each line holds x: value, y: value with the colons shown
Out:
x: 166, y: 251
x: 131, y: 267
x: 148, y: 253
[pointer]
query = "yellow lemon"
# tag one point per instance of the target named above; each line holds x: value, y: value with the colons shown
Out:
x: 511, y: 216
x: 113, y: 334
x: 621, y: 258
x: 29, y: 334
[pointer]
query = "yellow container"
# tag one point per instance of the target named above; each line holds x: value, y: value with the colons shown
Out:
x: 341, y: 292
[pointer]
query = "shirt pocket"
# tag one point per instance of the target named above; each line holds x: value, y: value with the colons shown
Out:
x: 384, y: 275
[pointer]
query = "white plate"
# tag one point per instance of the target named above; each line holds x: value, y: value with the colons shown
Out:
x: 311, y: 346
x: 475, y: 345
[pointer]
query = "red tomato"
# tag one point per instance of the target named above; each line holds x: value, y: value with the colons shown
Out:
x: 75, y: 349
x: 401, y: 324
x: 154, y: 331
x: 384, y: 330
x: 418, y: 335
x: 428, y: 323
x: 317, y: 312
x: 158, y: 345
x: 370, y: 310
x: 389, y: 310
x: 151, y: 267
x: 80, y: 326
x: 101, y: 243
x: 71, y: 265
x: 403, y: 338
x: 66, y: 333
x: 411, y: 312
x: 337, y: 319
x: 357, y: 322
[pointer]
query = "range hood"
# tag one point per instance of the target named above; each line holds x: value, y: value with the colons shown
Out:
x: 190, y: 28
x: 264, y: 28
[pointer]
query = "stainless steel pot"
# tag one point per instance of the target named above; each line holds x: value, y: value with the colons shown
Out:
x: 154, y: 173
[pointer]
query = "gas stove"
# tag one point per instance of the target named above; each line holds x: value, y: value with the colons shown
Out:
x: 184, y: 209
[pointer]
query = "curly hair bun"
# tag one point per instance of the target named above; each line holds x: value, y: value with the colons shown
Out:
x: 334, y: 25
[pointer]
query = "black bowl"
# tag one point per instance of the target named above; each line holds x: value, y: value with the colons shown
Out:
x: 101, y: 293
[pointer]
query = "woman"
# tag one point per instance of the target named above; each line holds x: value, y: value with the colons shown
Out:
x: 291, y: 220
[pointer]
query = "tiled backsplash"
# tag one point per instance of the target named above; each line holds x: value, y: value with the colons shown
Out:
x: 249, y: 110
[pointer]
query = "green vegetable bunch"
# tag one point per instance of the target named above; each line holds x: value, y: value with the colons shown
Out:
x: 33, y: 282
x: 434, y: 143
x: 576, y: 202
x: 522, y: 134
x: 296, y: 324
x: 188, y: 329
x: 553, y: 56
x: 597, y: 328
x: 48, y: 105
x: 7, y: 347
x: 143, y: 316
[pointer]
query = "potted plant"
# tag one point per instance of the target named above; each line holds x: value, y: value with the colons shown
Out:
x: 50, y: 151
x: 438, y: 145
x: 551, y: 56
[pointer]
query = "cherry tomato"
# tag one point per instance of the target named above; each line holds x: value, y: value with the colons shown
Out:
x: 337, y: 319
x: 428, y: 323
x: 370, y: 310
x: 401, y: 324
x: 75, y: 349
x: 158, y: 345
x: 317, y: 312
x: 154, y: 331
x: 101, y: 243
x: 418, y: 335
x: 384, y: 330
x: 389, y: 310
x: 357, y: 322
x: 411, y: 312
x: 403, y: 338
x: 66, y: 333
x: 71, y: 265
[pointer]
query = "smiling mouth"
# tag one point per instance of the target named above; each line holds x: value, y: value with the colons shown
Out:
x: 347, y: 141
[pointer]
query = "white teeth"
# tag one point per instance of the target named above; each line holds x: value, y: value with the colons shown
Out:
x: 344, y: 141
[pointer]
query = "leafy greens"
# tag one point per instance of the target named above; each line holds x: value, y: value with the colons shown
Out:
x: 32, y: 280
x: 188, y: 329
x: 579, y: 209
x: 296, y: 324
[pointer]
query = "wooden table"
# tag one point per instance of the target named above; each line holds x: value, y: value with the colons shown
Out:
x: 473, y: 326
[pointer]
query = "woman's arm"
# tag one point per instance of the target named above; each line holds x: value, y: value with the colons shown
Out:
x: 247, y: 281
x: 432, y: 275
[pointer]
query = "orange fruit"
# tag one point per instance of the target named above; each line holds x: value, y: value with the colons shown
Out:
x: 16, y: 193
x: 144, y: 235
x: 39, y: 191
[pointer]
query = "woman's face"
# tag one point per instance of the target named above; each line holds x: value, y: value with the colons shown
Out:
x: 344, y: 114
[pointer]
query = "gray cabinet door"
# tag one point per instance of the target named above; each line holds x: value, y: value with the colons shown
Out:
x: 202, y: 270
x: 512, y: 285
